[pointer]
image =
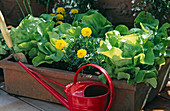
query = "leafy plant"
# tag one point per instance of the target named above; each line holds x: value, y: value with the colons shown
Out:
x: 94, y: 20
x: 37, y: 37
x: 159, y: 8
x: 4, y: 50
x: 30, y: 31
x: 133, y: 54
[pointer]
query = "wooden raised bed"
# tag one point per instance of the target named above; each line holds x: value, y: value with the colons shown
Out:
x: 127, y: 97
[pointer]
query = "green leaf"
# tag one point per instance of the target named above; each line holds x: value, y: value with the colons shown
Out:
x: 161, y: 60
x: 135, y: 31
x: 152, y: 82
x: 33, y: 52
x: 78, y: 17
x: 123, y: 29
x: 147, y: 18
x: 130, y: 50
x: 57, y: 56
x: 28, y: 45
x: 40, y: 59
x: 53, y: 41
x: 132, y: 39
x: 140, y: 76
x: 53, y: 35
x: 144, y: 28
x: 102, y: 48
x: 47, y: 17
x: 123, y: 75
x: 162, y: 31
x: 102, y: 78
x: 113, y: 52
x: 42, y: 48
x: 97, y: 22
x: 149, y: 57
x: 62, y: 29
x: 168, y: 52
x: 50, y: 47
x: 2, y: 50
x: 44, y: 27
x: 112, y: 38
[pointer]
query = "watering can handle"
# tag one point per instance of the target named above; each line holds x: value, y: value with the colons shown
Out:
x: 112, y: 91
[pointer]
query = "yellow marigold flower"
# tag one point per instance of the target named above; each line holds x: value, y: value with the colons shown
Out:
x: 58, y: 22
x: 63, y: 51
x: 52, y: 14
x: 81, y: 53
x: 74, y: 11
x: 60, y: 10
x: 60, y: 44
x: 86, y: 32
x: 59, y: 17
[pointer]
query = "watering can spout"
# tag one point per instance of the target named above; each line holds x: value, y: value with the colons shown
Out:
x: 55, y: 94
x: 45, y: 85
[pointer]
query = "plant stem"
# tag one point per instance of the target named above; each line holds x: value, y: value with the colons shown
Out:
x: 25, y: 7
x: 29, y: 7
x: 47, y: 6
x: 20, y: 8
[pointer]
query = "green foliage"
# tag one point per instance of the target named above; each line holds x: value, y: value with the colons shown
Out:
x: 94, y: 20
x: 31, y: 37
x: 36, y: 37
x: 3, y: 47
x: 134, y: 53
x: 159, y: 8
x: 129, y: 54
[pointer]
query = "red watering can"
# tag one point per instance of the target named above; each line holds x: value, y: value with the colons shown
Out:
x: 81, y: 95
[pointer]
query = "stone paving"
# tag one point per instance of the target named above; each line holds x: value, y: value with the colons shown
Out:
x: 17, y: 103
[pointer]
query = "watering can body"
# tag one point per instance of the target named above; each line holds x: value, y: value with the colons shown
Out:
x: 81, y: 95
x: 87, y: 96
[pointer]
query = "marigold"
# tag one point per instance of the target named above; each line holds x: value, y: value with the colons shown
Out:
x: 74, y: 11
x: 86, y: 32
x: 60, y: 10
x: 81, y: 53
x: 63, y: 51
x: 52, y: 13
x: 60, y: 44
x: 58, y: 22
x: 59, y: 17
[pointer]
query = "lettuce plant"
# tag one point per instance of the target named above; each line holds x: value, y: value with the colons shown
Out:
x: 133, y: 54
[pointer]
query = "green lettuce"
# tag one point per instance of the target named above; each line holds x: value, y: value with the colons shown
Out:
x: 133, y: 54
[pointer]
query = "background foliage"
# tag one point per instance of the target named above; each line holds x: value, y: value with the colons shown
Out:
x: 159, y: 8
